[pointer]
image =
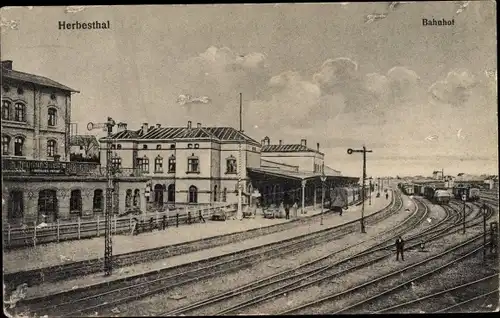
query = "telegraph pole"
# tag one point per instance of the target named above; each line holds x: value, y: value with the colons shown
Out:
x: 364, y: 151
x: 484, y: 208
x: 370, y: 192
x: 323, y: 179
x: 108, y: 245
x: 239, y: 213
x: 464, y: 198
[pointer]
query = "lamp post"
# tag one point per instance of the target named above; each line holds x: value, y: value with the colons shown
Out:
x: 370, y: 192
x: 239, y: 213
x: 464, y: 198
x: 484, y: 208
x: 378, y: 187
x: 323, y: 179
x: 364, y: 151
x: 108, y: 245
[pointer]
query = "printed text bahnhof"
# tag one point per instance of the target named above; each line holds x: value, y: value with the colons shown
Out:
x: 63, y: 25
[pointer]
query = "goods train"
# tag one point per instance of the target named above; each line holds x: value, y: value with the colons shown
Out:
x: 406, y: 188
x: 342, y: 197
x: 438, y: 196
x: 471, y: 193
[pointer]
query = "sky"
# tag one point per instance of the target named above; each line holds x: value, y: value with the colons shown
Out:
x: 422, y: 98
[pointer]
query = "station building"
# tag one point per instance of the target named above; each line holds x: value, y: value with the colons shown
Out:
x: 154, y: 167
x: 38, y: 176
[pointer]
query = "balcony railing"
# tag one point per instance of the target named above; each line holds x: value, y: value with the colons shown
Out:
x: 11, y: 166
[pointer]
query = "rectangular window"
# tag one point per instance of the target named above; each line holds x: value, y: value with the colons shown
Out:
x: 171, y: 165
x: 158, y: 165
x: 145, y: 165
x: 193, y: 165
x: 116, y: 162
x: 231, y: 166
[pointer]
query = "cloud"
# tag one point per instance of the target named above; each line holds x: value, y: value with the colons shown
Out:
x: 455, y: 90
x: 289, y: 100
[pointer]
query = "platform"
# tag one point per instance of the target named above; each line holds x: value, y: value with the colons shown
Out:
x: 330, y: 220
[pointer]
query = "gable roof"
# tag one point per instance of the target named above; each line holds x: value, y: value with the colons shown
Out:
x: 36, y: 79
x: 171, y: 133
x: 288, y: 148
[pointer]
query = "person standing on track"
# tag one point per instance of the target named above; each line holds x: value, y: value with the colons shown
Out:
x: 387, y: 196
x: 287, y: 211
x: 400, y: 245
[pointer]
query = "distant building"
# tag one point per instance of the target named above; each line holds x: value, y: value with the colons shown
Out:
x: 84, y: 147
x: 437, y: 175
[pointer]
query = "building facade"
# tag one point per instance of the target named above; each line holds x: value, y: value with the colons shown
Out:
x: 185, y: 165
x: 39, y: 180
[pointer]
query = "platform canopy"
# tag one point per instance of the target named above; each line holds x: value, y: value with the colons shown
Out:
x: 299, y: 175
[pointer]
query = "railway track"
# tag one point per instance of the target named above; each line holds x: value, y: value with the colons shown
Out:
x: 301, y: 277
x: 284, y: 282
x: 358, y: 296
x: 81, y: 268
x: 449, y: 298
x: 92, y: 298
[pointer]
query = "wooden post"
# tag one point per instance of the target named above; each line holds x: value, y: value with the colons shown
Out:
x: 34, y: 234
x: 58, y: 225
x: 114, y: 232
x: 98, y: 221
x: 79, y: 224
x: 8, y: 234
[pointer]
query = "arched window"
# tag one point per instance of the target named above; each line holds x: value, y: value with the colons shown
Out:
x: 215, y: 193
x: 196, y: 146
x: 171, y: 164
x: 51, y: 148
x: 6, y: 110
x: 158, y: 147
x: 158, y: 190
x: 52, y: 117
x: 16, y: 205
x: 75, y: 202
x: 158, y: 164
x: 137, y: 197
x: 118, y: 146
x: 19, y: 112
x: 193, y: 194
x: 98, y: 200
x: 231, y: 166
x: 47, y: 204
x: 113, y: 146
x: 5, y: 145
x: 18, y: 146
x: 171, y: 193
x: 224, y: 195
x: 128, y: 198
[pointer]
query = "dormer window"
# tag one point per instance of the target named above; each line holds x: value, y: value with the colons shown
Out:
x: 231, y: 167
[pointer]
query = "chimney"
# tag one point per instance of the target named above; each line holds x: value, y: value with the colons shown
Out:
x: 317, y: 146
x: 122, y: 126
x: 7, y: 64
x: 263, y: 142
x: 268, y: 141
x: 189, y: 124
x: 303, y: 142
x: 158, y: 125
x: 281, y: 142
x: 145, y: 128
x: 198, y: 125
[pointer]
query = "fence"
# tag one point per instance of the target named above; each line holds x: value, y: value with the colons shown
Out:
x: 31, y: 235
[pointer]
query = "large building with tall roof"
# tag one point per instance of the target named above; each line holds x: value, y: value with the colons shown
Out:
x: 39, y: 181
x: 190, y: 164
